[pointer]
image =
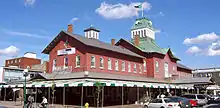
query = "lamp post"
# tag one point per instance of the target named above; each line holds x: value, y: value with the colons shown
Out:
x: 25, y: 74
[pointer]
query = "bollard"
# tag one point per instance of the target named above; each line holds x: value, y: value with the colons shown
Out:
x: 87, y: 105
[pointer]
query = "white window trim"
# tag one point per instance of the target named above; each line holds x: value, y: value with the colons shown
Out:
x: 109, y: 66
x: 129, y: 67
x: 122, y: 68
x: 64, y: 65
x: 135, y: 68
x: 140, y: 68
x: 156, y: 66
x: 116, y: 63
x: 102, y: 63
x: 91, y: 62
x: 77, y: 66
x: 145, y: 66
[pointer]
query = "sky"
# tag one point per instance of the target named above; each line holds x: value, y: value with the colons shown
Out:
x: 189, y: 27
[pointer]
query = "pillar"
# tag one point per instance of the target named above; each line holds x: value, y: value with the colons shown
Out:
x: 82, y: 97
x: 64, y: 95
x: 122, y: 96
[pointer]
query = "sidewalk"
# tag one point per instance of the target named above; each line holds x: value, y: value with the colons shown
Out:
x: 18, y: 104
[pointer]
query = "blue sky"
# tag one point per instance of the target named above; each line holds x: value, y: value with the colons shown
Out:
x: 189, y: 27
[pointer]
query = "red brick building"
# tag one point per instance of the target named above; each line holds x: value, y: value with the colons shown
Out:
x: 140, y: 56
x: 27, y: 61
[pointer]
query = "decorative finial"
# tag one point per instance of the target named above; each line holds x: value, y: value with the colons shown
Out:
x: 91, y: 25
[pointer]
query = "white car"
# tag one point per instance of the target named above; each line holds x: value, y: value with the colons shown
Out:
x: 162, y: 103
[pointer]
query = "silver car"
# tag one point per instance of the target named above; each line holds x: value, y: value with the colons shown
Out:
x: 200, y: 98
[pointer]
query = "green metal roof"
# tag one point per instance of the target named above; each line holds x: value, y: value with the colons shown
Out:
x: 142, y: 23
x: 149, y: 45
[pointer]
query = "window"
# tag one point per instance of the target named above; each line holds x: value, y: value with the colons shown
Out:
x: 133, y: 34
x: 16, y: 61
x: 129, y: 67
x: 65, y: 61
x: 139, y: 33
x: 19, y: 60
x: 142, y: 35
x: 157, y: 66
x: 8, y: 62
x: 101, y: 62
x: 200, y: 96
x: 173, y: 68
x: 135, y: 68
x: 11, y: 61
x: 144, y: 32
x: 54, y: 64
x: 123, y: 66
x: 166, y: 73
x: 219, y: 74
x: 92, y: 61
x: 145, y: 66
x: 116, y: 65
x: 140, y: 68
x: 109, y: 64
x: 77, y: 61
x: 190, y: 96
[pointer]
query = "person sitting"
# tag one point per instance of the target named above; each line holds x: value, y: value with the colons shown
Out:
x: 44, y: 103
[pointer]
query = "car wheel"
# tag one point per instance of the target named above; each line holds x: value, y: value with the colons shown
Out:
x: 145, y: 106
x: 162, y: 107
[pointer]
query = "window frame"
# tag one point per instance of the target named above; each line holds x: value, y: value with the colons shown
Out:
x: 92, y: 65
x: 145, y: 66
x: 116, y: 65
x: 156, y: 66
x: 101, y: 64
x: 135, y: 68
x: 129, y: 67
x: 77, y: 61
x: 109, y: 64
x: 123, y: 66
x: 66, y: 61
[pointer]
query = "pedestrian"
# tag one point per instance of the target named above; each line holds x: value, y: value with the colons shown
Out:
x: 30, y: 101
x: 44, y: 103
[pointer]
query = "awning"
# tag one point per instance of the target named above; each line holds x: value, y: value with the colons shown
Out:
x: 93, y: 82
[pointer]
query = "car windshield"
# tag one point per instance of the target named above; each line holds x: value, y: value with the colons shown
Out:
x: 190, y: 96
x: 200, y: 96
x: 168, y: 100
x: 176, y: 99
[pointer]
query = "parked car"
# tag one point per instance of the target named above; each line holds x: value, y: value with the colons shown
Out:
x: 212, y: 106
x: 184, y: 102
x: 163, y: 103
x: 196, y: 99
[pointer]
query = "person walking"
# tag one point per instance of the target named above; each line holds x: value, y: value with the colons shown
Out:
x: 30, y: 101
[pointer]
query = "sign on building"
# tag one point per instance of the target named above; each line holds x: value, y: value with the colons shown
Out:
x: 66, y: 51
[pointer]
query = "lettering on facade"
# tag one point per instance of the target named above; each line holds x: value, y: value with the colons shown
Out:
x: 66, y: 51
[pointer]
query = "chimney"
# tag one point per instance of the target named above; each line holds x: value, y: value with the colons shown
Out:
x: 113, y: 42
x: 70, y: 28
x: 136, y: 40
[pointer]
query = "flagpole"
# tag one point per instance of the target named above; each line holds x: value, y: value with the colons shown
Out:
x: 142, y: 11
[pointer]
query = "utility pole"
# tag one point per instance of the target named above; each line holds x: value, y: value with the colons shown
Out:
x: 25, y: 75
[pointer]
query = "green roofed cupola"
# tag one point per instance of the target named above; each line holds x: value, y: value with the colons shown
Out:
x: 143, y: 27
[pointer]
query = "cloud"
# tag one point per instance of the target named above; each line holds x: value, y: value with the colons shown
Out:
x: 9, y: 51
x: 120, y: 11
x: 214, y: 49
x: 209, y: 45
x: 201, y: 39
x: 74, y: 19
x: 194, y: 50
x: 157, y: 31
x: 25, y: 34
x: 29, y: 2
x: 161, y: 13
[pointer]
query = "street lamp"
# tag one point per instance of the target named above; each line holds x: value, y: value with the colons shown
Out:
x: 25, y: 74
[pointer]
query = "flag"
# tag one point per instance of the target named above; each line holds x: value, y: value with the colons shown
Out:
x: 138, y: 6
